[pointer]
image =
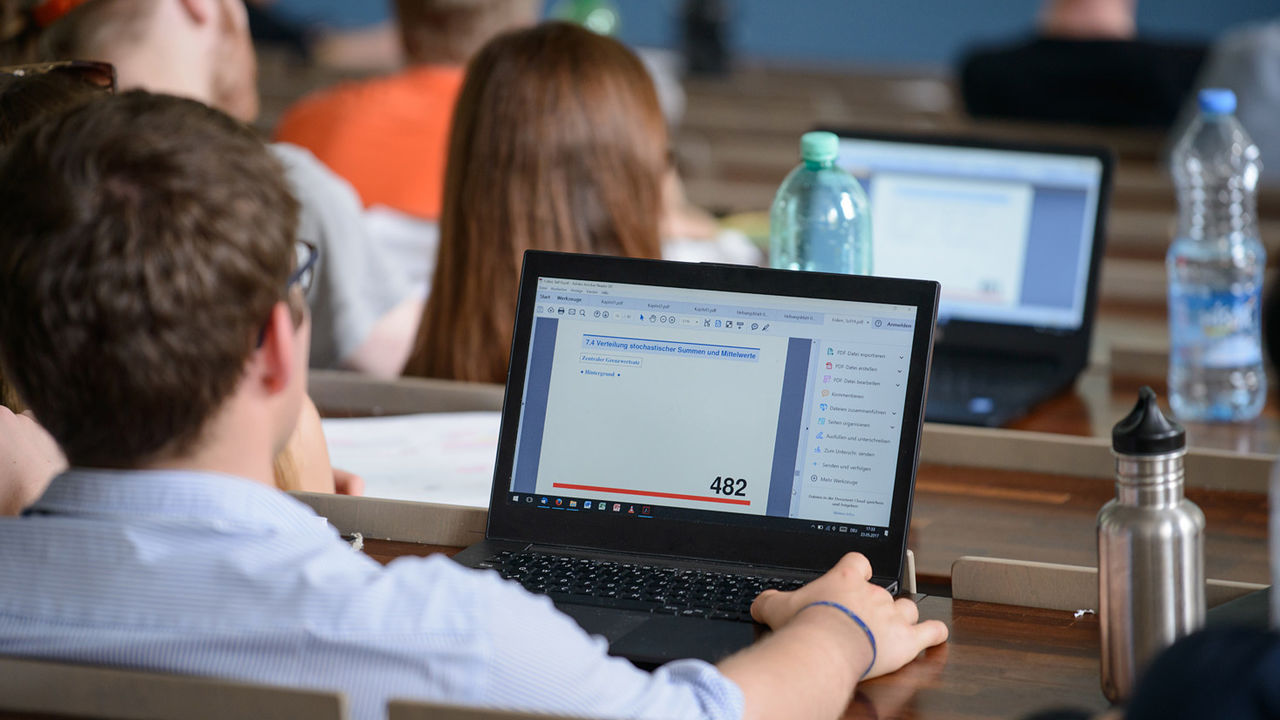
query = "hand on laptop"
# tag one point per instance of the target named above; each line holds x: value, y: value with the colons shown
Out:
x: 899, y: 635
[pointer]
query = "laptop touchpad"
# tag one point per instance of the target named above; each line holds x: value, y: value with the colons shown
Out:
x: 609, y: 623
x: 668, y: 637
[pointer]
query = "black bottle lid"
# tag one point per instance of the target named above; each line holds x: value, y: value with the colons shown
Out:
x: 1146, y: 431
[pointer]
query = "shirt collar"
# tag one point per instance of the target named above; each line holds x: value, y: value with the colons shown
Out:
x: 132, y: 495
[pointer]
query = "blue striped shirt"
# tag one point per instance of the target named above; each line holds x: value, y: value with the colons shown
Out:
x: 215, y: 575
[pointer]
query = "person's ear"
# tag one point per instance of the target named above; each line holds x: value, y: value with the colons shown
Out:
x: 201, y: 12
x: 275, y: 357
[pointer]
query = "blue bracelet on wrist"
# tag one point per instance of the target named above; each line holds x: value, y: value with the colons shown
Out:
x: 854, y: 617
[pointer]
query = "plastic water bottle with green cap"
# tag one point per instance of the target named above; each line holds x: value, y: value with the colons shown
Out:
x: 599, y: 16
x: 820, y: 219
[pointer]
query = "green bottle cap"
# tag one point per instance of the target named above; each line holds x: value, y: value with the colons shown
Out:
x: 818, y: 147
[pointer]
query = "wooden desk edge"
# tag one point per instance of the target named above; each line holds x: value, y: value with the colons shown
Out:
x: 1080, y: 456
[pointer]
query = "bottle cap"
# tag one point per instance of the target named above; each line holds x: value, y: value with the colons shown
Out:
x: 1146, y: 431
x: 1217, y: 101
x: 819, y: 146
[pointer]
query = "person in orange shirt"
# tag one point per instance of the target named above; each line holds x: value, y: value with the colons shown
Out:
x: 388, y: 136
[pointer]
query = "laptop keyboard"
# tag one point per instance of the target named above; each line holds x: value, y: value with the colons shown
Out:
x: 635, y: 586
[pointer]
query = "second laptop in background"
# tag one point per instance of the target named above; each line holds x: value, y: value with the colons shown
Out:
x: 1014, y: 233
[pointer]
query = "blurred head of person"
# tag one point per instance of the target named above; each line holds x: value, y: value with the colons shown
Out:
x: 1089, y: 19
x: 199, y: 49
x: 29, y: 93
x: 557, y: 143
x: 130, y: 223
x: 450, y: 32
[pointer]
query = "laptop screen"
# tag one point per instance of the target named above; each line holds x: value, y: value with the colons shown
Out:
x: 1008, y: 233
x: 736, y: 407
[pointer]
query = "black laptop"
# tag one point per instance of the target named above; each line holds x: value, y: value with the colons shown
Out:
x: 1014, y: 233
x: 677, y: 437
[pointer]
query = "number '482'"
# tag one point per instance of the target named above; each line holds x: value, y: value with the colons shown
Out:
x: 729, y: 486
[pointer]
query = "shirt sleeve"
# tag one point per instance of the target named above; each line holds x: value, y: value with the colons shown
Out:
x: 354, y: 287
x: 541, y: 660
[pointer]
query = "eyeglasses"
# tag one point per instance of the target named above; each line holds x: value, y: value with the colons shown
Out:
x: 303, y: 276
x: 99, y: 75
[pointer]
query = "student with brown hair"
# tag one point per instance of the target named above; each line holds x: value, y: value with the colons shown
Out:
x: 387, y: 136
x: 166, y: 546
x: 558, y: 143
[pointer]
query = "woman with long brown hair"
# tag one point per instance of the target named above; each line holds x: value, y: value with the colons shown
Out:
x: 558, y: 143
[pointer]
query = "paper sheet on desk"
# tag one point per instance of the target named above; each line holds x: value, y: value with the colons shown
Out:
x: 436, y: 457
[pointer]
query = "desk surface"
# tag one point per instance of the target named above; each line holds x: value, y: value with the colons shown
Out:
x: 1001, y: 661
x: 1052, y: 518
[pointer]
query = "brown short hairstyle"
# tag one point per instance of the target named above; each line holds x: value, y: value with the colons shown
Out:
x: 450, y: 32
x: 558, y: 143
x: 143, y: 242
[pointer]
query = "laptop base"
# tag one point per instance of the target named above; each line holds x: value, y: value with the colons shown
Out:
x: 647, y: 638
x: 967, y: 388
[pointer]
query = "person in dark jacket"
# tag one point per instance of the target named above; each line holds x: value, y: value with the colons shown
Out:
x: 1084, y: 65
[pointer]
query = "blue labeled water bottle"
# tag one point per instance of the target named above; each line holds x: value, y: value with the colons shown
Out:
x: 820, y: 218
x: 1215, y: 268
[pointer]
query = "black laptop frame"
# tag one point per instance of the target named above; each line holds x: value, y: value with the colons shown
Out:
x: 716, y: 542
x: 1069, y: 347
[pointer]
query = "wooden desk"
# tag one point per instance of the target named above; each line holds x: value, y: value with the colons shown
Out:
x: 1052, y: 518
x: 1001, y: 661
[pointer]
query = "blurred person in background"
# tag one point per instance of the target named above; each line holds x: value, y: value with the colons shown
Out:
x: 558, y: 143
x: 388, y: 135
x: 364, y: 316
x: 1085, y: 64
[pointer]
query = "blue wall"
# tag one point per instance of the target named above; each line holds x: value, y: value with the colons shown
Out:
x: 911, y: 32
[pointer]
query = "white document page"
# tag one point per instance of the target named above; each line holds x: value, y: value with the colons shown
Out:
x: 436, y: 457
x: 970, y: 235
x: 660, y: 413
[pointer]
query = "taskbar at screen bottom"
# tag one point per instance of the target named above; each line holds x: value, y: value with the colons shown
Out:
x: 648, y: 511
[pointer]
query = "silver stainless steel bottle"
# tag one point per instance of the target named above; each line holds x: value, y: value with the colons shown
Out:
x: 1150, y: 548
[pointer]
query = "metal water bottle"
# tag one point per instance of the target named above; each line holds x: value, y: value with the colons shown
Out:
x: 1150, y: 548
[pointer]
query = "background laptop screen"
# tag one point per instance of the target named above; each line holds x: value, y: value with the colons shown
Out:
x: 674, y: 402
x: 1007, y: 233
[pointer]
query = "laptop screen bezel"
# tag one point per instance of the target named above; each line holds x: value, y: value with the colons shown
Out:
x: 1070, y: 345
x: 720, y: 542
